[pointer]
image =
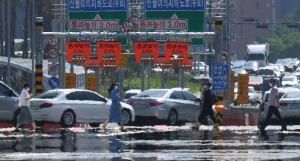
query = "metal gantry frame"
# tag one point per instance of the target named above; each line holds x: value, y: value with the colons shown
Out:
x: 133, y: 35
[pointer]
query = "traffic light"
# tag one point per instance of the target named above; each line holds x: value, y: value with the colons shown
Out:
x: 262, y: 25
x: 292, y: 25
x: 249, y: 19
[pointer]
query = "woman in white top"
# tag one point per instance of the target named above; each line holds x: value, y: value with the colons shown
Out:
x: 25, y: 116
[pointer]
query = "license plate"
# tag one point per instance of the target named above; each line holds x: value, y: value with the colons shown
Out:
x: 294, y: 106
x: 34, y: 107
x: 141, y: 106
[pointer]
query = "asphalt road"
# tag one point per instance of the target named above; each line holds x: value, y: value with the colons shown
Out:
x: 148, y: 143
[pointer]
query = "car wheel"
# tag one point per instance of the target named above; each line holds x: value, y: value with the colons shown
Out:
x: 39, y: 123
x: 68, y: 118
x: 252, y: 103
x: 235, y: 103
x: 126, y: 117
x: 172, y: 118
x: 15, y: 121
x: 94, y: 124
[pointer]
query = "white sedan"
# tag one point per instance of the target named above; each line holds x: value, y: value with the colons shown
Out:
x: 69, y: 106
x: 290, y: 81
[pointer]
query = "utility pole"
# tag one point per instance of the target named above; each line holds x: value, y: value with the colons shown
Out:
x: 273, y: 17
x: 8, y: 42
x: 32, y: 45
x: 228, y: 34
x: 39, y: 57
x: 209, y: 44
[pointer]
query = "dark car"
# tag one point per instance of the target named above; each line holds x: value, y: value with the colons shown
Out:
x: 266, y: 85
x: 266, y: 72
x: 251, y: 67
x: 287, y: 63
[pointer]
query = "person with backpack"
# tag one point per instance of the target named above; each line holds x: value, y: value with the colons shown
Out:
x: 201, y: 90
x: 208, y: 101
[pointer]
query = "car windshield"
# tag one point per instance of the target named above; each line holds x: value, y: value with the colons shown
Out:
x: 240, y: 71
x: 238, y: 63
x: 288, y: 79
x: 250, y: 64
x: 282, y: 61
x: 265, y: 72
x: 255, y: 79
x: 276, y: 70
x: 129, y: 95
x: 266, y: 85
x: 49, y: 95
x: 297, y: 70
x: 153, y: 93
x: 280, y: 96
x: 200, y: 64
x: 251, y: 90
x: 256, y: 57
x: 294, y: 94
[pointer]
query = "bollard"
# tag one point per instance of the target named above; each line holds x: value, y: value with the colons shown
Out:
x: 246, y: 119
x: 220, y: 108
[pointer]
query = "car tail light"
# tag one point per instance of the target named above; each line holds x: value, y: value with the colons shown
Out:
x: 130, y: 103
x: 46, y: 105
x: 283, y: 104
x: 262, y: 107
x: 157, y: 103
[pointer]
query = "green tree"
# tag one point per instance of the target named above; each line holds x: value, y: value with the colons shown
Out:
x: 286, y: 42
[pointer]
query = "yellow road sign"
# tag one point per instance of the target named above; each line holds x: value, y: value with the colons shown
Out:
x: 123, y: 62
x: 232, y: 86
x: 243, y: 81
x: 70, y: 80
x: 91, y: 82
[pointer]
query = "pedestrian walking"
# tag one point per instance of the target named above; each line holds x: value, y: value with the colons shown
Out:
x: 201, y: 90
x: 273, y: 101
x: 115, y: 112
x: 207, y: 107
x: 25, y: 116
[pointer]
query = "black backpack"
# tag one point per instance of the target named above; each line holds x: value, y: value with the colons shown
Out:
x: 214, y: 98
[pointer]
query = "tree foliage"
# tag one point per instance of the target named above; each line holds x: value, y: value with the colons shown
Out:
x: 286, y: 42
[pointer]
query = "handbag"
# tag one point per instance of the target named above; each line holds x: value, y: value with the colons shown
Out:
x: 121, y: 107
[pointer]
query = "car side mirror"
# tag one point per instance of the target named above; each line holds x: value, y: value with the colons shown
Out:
x: 9, y: 93
x: 198, y: 100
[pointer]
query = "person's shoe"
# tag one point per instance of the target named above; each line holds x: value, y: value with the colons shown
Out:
x: 17, y: 131
x: 283, y: 128
x: 104, y: 127
x: 261, y: 127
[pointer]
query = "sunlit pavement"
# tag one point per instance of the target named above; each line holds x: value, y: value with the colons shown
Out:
x: 158, y: 142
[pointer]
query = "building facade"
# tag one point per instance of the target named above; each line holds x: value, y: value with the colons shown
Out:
x: 261, y: 11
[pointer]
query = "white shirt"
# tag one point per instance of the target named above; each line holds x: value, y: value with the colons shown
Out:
x: 272, y: 96
x: 24, y: 94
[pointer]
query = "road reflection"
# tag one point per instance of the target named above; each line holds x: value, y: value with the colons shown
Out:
x: 158, y: 142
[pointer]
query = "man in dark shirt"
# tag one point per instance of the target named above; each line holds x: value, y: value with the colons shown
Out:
x: 207, y: 105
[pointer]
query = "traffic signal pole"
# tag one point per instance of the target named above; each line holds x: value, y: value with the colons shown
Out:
x: 39, y: 57
x: 219, y: 49
x: 228, y: 40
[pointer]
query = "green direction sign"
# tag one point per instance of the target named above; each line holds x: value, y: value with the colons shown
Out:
x: 195, y: 23
x: 97, y: 22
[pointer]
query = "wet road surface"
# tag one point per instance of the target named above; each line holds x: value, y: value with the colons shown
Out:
x: 148, y: 143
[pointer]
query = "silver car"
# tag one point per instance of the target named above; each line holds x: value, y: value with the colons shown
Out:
x: 290, y: 107
x: 9, y: 104
x: 166, y: 104
x: 253, y: 97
